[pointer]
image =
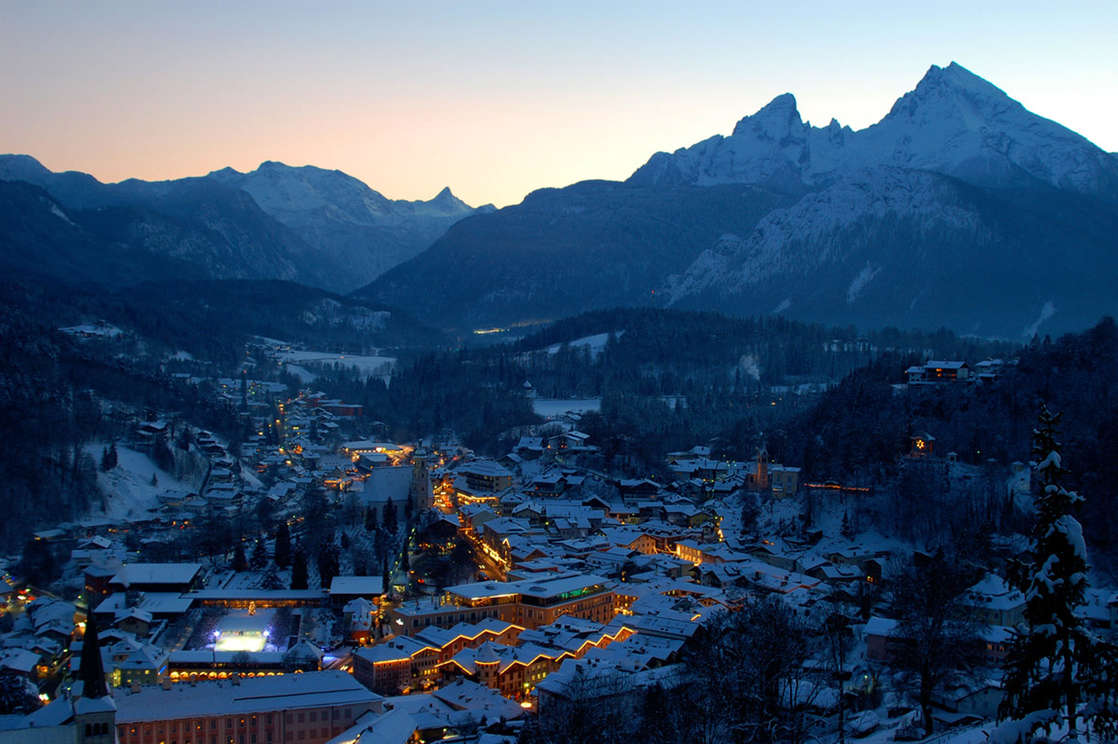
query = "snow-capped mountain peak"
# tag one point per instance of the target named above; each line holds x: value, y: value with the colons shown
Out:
x: 954, y: 122
x: 958, y: 78
x: 776, y: 121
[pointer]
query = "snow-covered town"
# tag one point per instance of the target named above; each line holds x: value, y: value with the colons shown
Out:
x: 316, y: 583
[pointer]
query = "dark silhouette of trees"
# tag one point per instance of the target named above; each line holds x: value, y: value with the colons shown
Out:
x: 109, y: 457
x: 938, y: 633
x: 299, y: 569
x: 38, y: 564
x: 240, y: 563
x: 390, y: 516
x: 282, y: 555
x: 259, y: 558
x: 327, y: 564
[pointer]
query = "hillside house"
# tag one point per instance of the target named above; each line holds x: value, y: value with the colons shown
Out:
x: 937, y: 371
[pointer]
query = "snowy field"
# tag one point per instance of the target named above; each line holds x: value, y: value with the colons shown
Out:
x: 92, y: 329
x: 304, y: 374
x: 554, y: 407
x: 595, y: 343
x: 129, y: 493
x: 301, y: 362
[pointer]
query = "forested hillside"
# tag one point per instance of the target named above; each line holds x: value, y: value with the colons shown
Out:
x: 212, y: 319
x: 667, y: 379
x: 861, y: 428
x: 53, y: 400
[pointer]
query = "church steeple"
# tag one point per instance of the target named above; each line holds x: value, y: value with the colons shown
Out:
x: 92, y: 669
x: 94, y: 710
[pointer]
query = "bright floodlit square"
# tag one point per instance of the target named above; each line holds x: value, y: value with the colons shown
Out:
x: 241, y: 631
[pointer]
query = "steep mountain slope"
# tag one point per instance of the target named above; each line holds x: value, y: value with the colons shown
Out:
x: 959, y: 207
x: 596, y: 244
x: 356, y: 232
x: 41, y: 238
x: 917, y: 249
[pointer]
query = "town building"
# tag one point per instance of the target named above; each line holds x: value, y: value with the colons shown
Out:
x: 311, y: 708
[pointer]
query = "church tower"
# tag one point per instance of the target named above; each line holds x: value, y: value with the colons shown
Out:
x: 420, y: 490
x: 94, y: 709
x: 761, y: 474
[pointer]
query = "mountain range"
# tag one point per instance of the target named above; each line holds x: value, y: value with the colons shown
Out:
x: 322, y: 227
x: 959, y: 208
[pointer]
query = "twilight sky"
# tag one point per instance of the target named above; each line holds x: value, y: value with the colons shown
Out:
x: 496, y: 99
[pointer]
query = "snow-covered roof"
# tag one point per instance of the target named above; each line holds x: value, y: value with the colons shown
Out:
x: 393, y: 727
x: 487, y: 468
x: 156, y: 573
x: 251, y: 695
x: 357, y: 585
x: 881, y: 626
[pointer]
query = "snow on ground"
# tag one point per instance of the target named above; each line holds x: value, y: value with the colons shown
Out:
x: 595, y: 343
x: 100, y: 328
x: 304, y: 374
x: 250, y: 479
x: 888, y: 729
x: 370, y: 366
x: 1046, y: 312
x: 127, y: 487
x: 554, y: 407
x: 59, y: 213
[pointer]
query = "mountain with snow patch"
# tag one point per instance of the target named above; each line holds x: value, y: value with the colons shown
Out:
x: 954, y: 123
x: 320, y: 227
x: 959, y: 208
x: 348, y: 224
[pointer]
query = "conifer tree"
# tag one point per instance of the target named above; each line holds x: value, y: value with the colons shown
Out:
x: 1046, y: 664
x: 109, y: 457
x: 370, y: 518
x: 259, y: 558
x: 282, y: 555
x: 390, y: 516
x: 327, y: 565
x: 240, y: 563
x: 299, y: 569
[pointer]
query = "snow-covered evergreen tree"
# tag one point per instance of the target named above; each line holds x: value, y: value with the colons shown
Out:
x: 1046, y: 667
